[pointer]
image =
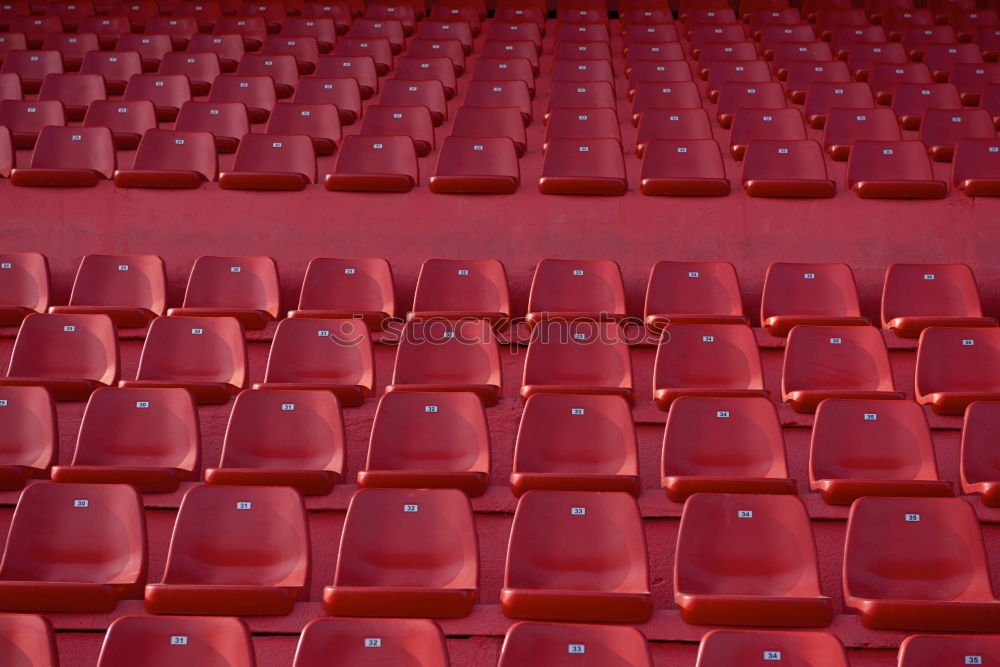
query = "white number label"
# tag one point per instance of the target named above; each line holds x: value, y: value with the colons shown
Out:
x: 323, y: 333
x: 243, y: 504
x: 772, y: 655
x: 913, y: 517
x: 968, y: 341
x: 178, y: 640
x: 3, y: 402
x: 6, y: 265
x: 974, y: 660
x: 373, y: 642
x: 722, y: 414
x: 578, y: 511
x: 708, y: 339
x: 463, y: 272
x: 928, y: 276
x: 810, y: 276
x: 744, y: 514
x: 142, y: 404
x: 70, y: 328
x: 197, y: 332
x: 835, y: 341
x: 576, y: 648
x: 81, y: 502
x: 449, y: 334
x: 693, y: 274
x: 576, y: 411
x: 410, y: 508
x: 579, y: 336
x: 430, y: 408
x: 287, y: 407
x: 350, y: 272
x: 123, y: 267
x: 577, y: 272
x: 871, y: 416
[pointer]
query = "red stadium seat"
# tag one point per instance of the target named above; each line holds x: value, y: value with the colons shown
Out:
x: 672, y: 124
x: 585, y: 72
x: 495, y: 94
x: 976, y: 167
x: 570, y: 289
x: 980, y: 465
x: 413, y: 68
x: 75, y: 91
x: 425, y: 47
x: 955, y: 368
x: 785, y: 169
x: 692, y: 293
x: 749, y: 124
x: 271, y: 162
x: 918, y: 564
x: 167, y: 93
x: 988, y: 39
x: 325, y: 355
x: 378, y: 50
x: 568, y: 30
x: 578, y: 356
x: 916, y: 39
x: 242, y: 287
x: 699, y: 35
x: 388, y: 29
x: 580, y: 95
x: 561, y: 644
x: 321, y: 28
x: 803, y: 74
x: 940, y: 58
x: 76, y: 548
x: 929, y: 650
x: 273, y: 13
x: 476, y: 165
x: 707, y: 360
x: 201, y: 640
x: 823, y: 96
x: 281, y: 69
x: 169, y: 159
x: 29, y: 440
x: 70, y: 355
x: 228, y: 47
x: 12, y: 42
x: 658, y: 95
x: 430, y: 94
x: 429, y: 440
x: 201, y: 69
x: 990, y: 100
x: 180, y: 29
x: 36, y: 28
x: 893, y: 170
x: 32, y: 67
x: 289, y: 437
x: 713, y: 52
x: 484, y: 122
x: 423, y: 562
x: 501, y: 31
x: 226, y: 121
x: 320, y: 122
x: 71, y: 46
x: 600, y: 123
x: 24, y: 286
x: 405, y: 121
x: 304, y: 49
x: 748, y: 560
x: 69, y: 157
x: 235, y: 550
x: 27, y: 640
x: 911, y: 100
x: 772, y: 36
x: 736, y: 96
x: 942, y: 129
x: 735, y: 71
x: 108, y: 29
x: 682, y: 166
x: 205, y: 355
x: 148, y: 438
x: 547, y: 455
x: 972, y: 78
x: 344, y: 94
x: 456, y: 12
x: 252, y: 29
x: 844, y: 37
x: 256, y: 92
x: 151, y: 48
x: 790, y: 52
x: 835, y: 362
x: 347, y: 289
x: 360, y: 68
x: 415, y: 642
x: 917, y: 296
x: 819, y: 294
x: 502, y: 69
x: 723, y: 445
x: 577, y: 556
x: 845, y: 126
x: 583, y: 167
x: 863, y: 57
x: 116, y: 67
x: 130, y: 289
x: 640, y: 51
x: 736, y: 647
x: 458, y: 289
x: 375, y: 164
x: 842, y: 466
x: 207, y: 13
x: 138, y: 12
x: 885, y: 77
x: 445, y: 355
x: 897, y: 19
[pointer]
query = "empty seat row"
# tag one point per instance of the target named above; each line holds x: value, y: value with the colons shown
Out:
x: 572, y: 556
x: 421, y: 643
x: 131, y: 290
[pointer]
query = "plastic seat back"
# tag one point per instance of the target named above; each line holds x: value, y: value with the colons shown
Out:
x: 127, y: 120
x: 256, y: 92
x: 27, y: 640
x: 71, y: 46
x: 348, y: 288
x: 28, y: 435
x: 212, y: 642
x: 692, y: 292
x: 253, y: 29
x: 783, y: 125
x: 415, y: 122
x: 554, y: 644
x: 735, y: 647
x: 25, y: 119
x: 320, y: 353
x: 171, y: 159
x: 167, y: 93
x: 201, y: 69
x: 576, y: 289
x: 915, y: 296
x: 942, y: 129
x: 410, y: 642
x: 320, y: 122
x: 956, y: 366
x: 272, y: 162
x: 929, y: 650
x: 845, y: 126
x: 24, y: 286
x: 458, y: 288
x: 227, y: 121
x: 234, y: 284
x: 375, y: 164
x: 814, y: 293
x: 281, y: 69
x: 194, y: 349
x: 32, y: 67
x: 70, y: 156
